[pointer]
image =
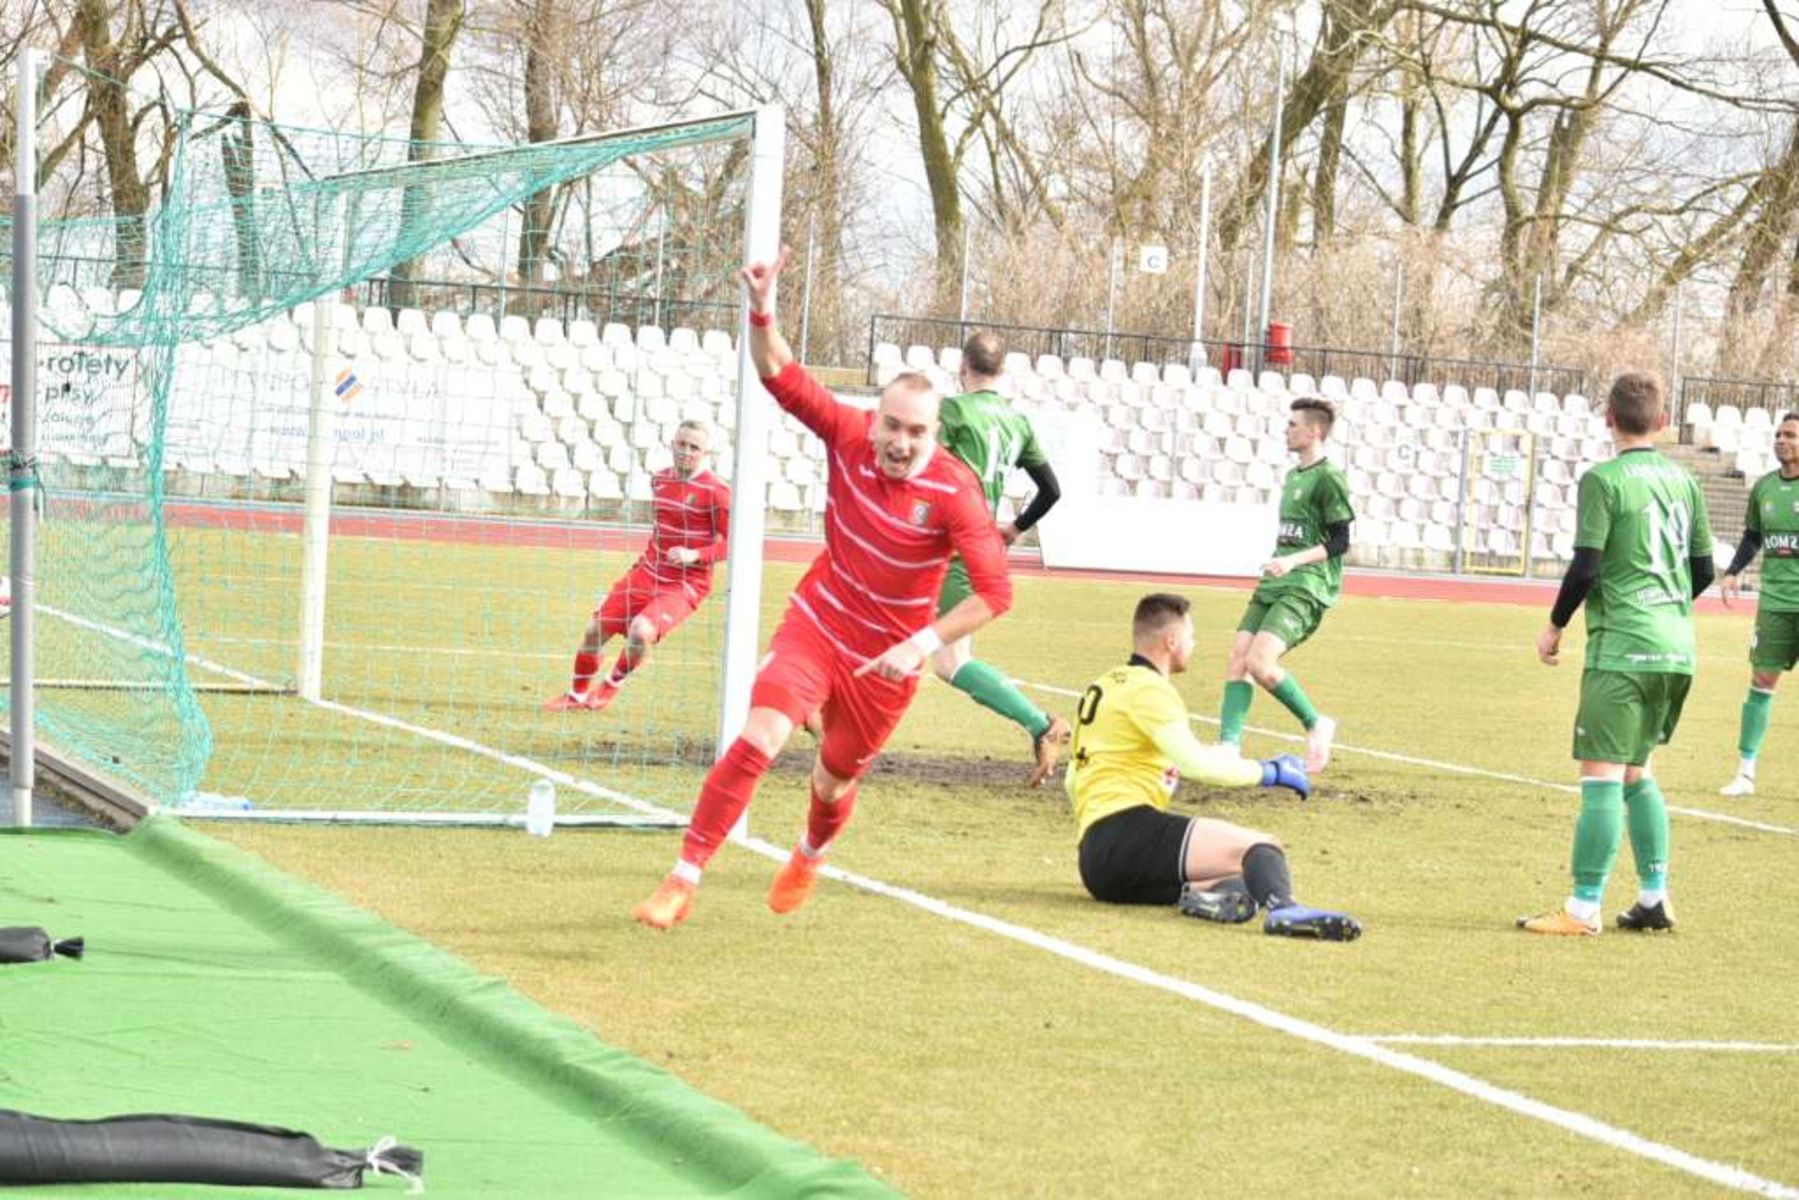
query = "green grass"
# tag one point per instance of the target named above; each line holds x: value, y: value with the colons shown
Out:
x: 954, y: 1062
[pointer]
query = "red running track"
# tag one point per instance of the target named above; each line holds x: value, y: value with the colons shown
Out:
x: 507, y: 531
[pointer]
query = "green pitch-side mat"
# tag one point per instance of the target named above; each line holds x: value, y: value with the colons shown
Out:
x: 216, y: 986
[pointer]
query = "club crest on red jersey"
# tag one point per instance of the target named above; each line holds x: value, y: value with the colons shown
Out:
x: 921, y: 512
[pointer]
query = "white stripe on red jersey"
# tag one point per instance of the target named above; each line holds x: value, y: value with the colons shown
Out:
x: 695, y: 513
x: 889, y: 541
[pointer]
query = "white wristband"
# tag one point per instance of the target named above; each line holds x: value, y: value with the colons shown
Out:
x: 927, y: 640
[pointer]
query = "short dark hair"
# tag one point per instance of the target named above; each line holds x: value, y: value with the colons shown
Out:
x: 1785, y: 417
x: 983, y: 353
x: 1636, y: 401
x: 1155, y: 612
x: 1317, y: 410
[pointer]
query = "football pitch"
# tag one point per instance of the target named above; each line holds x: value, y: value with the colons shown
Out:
x: 957, y: 1014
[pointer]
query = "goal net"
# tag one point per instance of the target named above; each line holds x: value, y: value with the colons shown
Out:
x: 473, y: 362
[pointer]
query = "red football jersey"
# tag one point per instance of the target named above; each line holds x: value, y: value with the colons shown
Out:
x: 888, y: 541
x: 695, y: 513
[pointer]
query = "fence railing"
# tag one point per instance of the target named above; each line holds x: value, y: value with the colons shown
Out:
x: 1163, y: 349
x: 464, y: 297
x: 1745, y: 394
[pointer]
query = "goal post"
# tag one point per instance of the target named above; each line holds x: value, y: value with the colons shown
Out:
x: 319, y: 551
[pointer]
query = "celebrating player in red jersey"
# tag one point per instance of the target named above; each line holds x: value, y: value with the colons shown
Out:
x: 670, y: 578
x: 859, y: 628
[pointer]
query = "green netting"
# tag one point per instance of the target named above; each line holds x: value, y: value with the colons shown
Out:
x: 514, y: 332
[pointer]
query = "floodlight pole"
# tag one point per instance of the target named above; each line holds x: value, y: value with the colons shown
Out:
x: 806, y: 295
x: 743, y: 595
x: 1196, y: 358
x: 22, y: 469
x: 1117, y: 259
x: 315, y: 536
x: 1274, y: 204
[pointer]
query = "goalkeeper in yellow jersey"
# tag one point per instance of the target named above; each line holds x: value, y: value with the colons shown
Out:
x: 1132, y: 743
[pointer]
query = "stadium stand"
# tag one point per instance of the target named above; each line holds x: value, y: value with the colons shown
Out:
x: 577, y: 414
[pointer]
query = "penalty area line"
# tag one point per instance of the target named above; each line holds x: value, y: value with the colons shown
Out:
x: 1698, y: 814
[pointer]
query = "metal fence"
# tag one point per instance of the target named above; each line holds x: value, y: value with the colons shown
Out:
x: 1163, y: 349
x: 462, y: 296
x: 1744, y: 394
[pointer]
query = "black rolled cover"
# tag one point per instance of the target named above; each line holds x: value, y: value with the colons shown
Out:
x: 157, y: 1148
x: 25, y: 943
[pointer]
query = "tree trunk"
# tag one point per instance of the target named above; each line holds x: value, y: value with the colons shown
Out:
x: 111, y: 110
x: 827, y: 283
x: 1326, y: 77
x: 237, y: 154
x: 443, y: 21
x: 1764, y: 246
x: 915, y: 28
x: 1324, y: 178
x: 534, y: 238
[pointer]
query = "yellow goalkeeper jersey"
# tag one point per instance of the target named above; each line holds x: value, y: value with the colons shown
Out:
x: 1114, y: 763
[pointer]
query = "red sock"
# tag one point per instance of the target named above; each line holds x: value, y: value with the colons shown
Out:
x: 627, y: 662
x: 586, y: 667
x: 825, y: 820
x: 723, y: 797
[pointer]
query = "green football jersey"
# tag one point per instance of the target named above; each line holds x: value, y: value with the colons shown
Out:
x: 1646, y: 516
x: 1312, y: 500
x: 991, y: 436
x: 1774, y: 513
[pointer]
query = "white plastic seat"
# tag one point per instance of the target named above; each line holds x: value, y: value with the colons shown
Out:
x: 602, y: 484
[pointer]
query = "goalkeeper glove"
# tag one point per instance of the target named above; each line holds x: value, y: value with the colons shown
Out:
x: 1288, y: 772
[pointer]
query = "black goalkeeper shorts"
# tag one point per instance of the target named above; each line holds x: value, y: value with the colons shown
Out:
x: 1138, y: 856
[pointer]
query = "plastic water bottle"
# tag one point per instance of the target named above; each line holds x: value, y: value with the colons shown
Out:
x: 540, y: 809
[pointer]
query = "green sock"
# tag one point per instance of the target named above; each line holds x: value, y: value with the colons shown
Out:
x: 1755, y: 721
x: 1237, y: 695
x: 992, y: 690
x: 1298, y: 703
x: 1596, y: 836
x: 1648, y: 823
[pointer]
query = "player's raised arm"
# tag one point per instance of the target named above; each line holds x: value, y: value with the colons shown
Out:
x: 768, y: 349
x: 786, y: 380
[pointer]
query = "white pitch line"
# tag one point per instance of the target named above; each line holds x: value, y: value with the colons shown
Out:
x: 1699, y: 814
x: 1360, y: 1047
x: 1581, y: 1043
x: 1574, y: 1122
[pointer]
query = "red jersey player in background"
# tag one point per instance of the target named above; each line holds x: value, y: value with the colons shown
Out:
x: 859, y: 628
x: 668, y: 580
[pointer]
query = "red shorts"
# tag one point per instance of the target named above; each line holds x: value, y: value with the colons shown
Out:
x: 805, y: 673
x: 640, y: 594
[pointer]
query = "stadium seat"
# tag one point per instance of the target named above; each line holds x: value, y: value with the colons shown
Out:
x: 1113, y: 370
x: 651, y: 337
x: 1177, y: 375
x: 1145, y: 374
x: 1082, y: 369
x: 1050, y: 366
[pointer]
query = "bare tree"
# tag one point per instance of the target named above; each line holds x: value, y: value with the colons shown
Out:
x: 437, y: 39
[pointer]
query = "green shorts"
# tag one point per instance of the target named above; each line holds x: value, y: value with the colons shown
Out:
x: 1291, y: 616
x: 1625, y: 715
x: 957, y: 587
x: 1775, y: 646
